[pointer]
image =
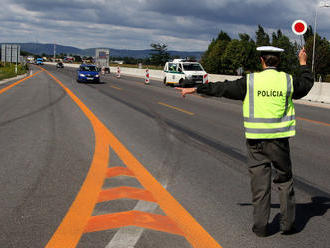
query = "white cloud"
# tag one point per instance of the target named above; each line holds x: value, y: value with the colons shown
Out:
x: 134, y: 24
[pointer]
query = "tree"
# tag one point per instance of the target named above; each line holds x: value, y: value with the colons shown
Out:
x: 309, y: 33
x: 159, y: 54
x: 289, y: 62
x: 322, y: 55
x: 25, y: 53
x: 211, y: 59
x: 249, y: 56
x: 77, y: 58
x: 262, y: 38
x: 231, y: 58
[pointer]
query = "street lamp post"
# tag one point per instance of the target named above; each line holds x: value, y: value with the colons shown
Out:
x: 320, y: 5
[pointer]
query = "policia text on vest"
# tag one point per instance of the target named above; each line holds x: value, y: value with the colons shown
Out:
x: 269, y: 122
x: 270, y: 93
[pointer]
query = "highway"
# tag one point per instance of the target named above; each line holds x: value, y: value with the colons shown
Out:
x: 124, y: 164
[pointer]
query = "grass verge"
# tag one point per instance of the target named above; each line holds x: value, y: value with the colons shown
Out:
x: 8, y: 70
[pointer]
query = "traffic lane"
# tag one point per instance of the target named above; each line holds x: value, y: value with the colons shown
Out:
x: 45, y: 152
x: 227, y: 114
x: 153, y: 144
x: 305, y: 111
x: 302, y: 202
x: 141, y: 140
x: 312, y: 112
x: 103, y: 107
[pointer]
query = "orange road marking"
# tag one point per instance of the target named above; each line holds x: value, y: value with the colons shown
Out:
x: 132, y: 218
x: 18, y: 82
x: 117, y: 88
x: 125, y: 192
x: 118, y: 171
x: 317, y: 122
x: 176, y: 108
x: 72, y: 226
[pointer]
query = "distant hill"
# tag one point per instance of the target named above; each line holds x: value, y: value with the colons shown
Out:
x: 38, y: 48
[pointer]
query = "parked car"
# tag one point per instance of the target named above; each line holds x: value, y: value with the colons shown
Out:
x: 59, y: 65
x: 183, y: 72
x: 88, y: 73
x: 39, y: 61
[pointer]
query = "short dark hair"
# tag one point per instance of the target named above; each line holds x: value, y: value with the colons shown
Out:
x: 271, y: 59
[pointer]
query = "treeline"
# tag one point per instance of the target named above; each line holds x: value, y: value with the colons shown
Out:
x: 225, y: 55
x: 158, y: 57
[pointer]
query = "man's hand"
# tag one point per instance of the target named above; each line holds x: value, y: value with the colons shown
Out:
x: 303, y: 56
x: 185, y: 91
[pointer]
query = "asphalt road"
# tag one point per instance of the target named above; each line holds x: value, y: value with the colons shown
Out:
x: 194, y: 147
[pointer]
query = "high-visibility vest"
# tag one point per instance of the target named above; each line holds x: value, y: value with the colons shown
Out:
x: 268, y: 109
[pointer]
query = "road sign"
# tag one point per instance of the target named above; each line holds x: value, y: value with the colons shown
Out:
x: 299, y: 27
x: 10, y: 53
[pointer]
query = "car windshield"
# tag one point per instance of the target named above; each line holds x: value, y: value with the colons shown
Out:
x: 87, y: 68
x: 192, y: 67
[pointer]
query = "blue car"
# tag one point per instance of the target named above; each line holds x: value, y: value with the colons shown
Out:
x: 40, y: 61
x: 88, y: 73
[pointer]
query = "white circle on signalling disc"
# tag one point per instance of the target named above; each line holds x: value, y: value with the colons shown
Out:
x: 299, y: 27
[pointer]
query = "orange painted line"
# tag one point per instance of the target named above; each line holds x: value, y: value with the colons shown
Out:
x: 118, y: 171
x: 132, y: 218
x: 18, y: 82
x: 316, y: 122
x: 71, y: 228
x: 176, y: 108
x: 197, y: 236
x: 117, y: 88
x: 125, y: 192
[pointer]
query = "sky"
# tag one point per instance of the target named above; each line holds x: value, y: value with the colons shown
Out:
x: 183, y: 25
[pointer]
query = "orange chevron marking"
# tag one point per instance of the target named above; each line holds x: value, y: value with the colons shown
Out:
x: 118, y: 171
x: 132, y: 218
x: 74, y: 225
x: 125, y: 192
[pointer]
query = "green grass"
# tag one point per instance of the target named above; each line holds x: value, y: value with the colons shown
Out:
x: 8, y: 70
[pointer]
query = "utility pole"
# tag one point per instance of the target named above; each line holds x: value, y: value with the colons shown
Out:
x: 325, y: 4
x: 54, y: 52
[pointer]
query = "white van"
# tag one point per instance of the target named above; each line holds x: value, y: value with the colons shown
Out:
x: 182, y: 72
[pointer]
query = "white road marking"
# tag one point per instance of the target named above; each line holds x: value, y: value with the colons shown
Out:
x: 127, y: 237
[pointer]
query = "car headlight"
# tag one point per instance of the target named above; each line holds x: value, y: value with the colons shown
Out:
x: 97, y: 75
x: 189, y: 77
x: 82, y: 75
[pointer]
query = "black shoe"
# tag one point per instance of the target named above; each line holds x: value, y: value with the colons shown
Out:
x: 290, y: 231
x: 260, y: 232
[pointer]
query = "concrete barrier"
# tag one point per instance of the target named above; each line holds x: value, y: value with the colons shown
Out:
x: 325, y: 93
x: 319, y: 93
x: 314, y: 93
x: 159, y: 74
x: 154, y: 74
x: 222, y: 78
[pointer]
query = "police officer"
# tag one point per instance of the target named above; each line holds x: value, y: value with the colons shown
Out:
x: 269, y: 122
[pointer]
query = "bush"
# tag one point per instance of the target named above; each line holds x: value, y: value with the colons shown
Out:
x: 8, y: 70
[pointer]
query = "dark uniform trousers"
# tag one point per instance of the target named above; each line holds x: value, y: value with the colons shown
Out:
x: 262, y: 155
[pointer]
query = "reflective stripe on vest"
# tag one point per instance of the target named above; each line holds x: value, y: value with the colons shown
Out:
x: 281, y: 123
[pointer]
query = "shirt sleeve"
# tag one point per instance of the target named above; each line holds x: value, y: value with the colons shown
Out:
x: 303, y: 83
x: 235, y: 90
